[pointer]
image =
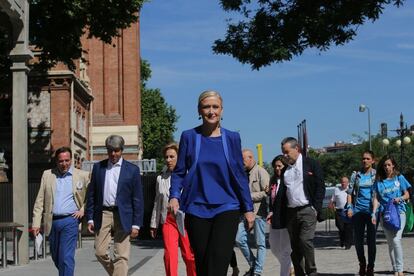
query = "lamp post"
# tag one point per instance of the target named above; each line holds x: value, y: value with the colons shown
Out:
x: 404, y: 139
x: 362, y: 108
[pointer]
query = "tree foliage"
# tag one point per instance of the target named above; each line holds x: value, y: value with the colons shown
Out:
x: 277, y: 30
x: 158, y: 118
x: 336, y: 165
x: 56, y: 26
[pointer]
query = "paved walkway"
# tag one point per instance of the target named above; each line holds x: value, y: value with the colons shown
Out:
x: 147, y: 259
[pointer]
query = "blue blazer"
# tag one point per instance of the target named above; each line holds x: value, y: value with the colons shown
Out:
x: 129, y: 196
x: 189, y: 149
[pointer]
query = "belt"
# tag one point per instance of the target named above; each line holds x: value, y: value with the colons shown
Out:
x: 55, y: 217
x: 299, y: 207
x: 110, y: 208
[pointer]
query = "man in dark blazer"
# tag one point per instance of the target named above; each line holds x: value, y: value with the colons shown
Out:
x: 115, y: 206
x: 304, y: 192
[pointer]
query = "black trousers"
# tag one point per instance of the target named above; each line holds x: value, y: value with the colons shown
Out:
x: 212, y: 240
x: 345, y: 229
x: 301, y: 227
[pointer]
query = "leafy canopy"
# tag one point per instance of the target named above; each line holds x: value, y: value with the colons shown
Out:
x: 56, y: 26
x: 158, y: 118
x: 276, y: 30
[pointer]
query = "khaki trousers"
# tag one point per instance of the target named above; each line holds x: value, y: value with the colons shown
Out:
x: 118, y: 266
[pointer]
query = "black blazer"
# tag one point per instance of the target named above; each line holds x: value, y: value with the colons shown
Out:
x: 313, y: 185
x: 278, y: 207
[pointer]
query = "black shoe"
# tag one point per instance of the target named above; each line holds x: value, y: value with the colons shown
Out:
x: 249, y: 272
x: 347, y: 247
x: 370, y: 271
x: 362, y: 269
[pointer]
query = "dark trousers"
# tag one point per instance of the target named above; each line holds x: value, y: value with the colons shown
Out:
x: 344, y: 228
x: 233, y: 261
x: 62, y: 240
x: 361, y: 221
x: 212, y: 240
x: 301, y: 227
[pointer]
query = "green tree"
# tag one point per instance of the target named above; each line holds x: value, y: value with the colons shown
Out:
x: 158, y: 118
x: 277, y: 30
x: 56, y: 26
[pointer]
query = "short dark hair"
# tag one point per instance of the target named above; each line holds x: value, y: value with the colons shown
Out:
x: 290, y: 140
x: 62, y: 150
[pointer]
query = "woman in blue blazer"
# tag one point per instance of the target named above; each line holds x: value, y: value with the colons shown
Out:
x: 210, y: 185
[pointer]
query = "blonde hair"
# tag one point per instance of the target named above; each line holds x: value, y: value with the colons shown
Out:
x: 209, y: 93
x: 172, y: 146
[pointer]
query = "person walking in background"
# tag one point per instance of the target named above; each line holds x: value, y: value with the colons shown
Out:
x: 278, y: 234
x: 60, y: 201
x: 391, y: 185
x: 209, y: 184
x: 342, y: 222
x: 305, y: 191
x: 258, y: 184
x: 115, y: 206
x: 359, y: 209
x: 170, y: 233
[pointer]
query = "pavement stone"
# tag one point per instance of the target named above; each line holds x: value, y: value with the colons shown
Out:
x: 147, y: 258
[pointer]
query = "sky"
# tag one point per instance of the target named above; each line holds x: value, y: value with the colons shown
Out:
x: 323, y: 88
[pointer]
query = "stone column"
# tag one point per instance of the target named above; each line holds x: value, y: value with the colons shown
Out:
x: 20, y: 55
x: 20, y: 153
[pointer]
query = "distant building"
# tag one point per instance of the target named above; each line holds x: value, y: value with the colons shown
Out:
x: 339, y: 147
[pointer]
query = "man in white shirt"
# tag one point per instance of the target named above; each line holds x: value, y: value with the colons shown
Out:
x: 305, y: 190
x: 115, y: 206
x: 342, y: 222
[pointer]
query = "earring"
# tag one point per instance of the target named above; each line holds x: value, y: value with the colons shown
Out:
x: 221, y: 118
x: 199, y: 117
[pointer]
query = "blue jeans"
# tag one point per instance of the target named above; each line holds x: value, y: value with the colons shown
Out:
x: 360, y: 220
x: 394, y: 245
x: 62, y: 241
x: 255, y: 262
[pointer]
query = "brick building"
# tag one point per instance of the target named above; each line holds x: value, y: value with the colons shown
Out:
x: 80, y: 109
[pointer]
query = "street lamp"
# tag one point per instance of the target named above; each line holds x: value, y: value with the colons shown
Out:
x: 362, y: 108
x: 404, y: 139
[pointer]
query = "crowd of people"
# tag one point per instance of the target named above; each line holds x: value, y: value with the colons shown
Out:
x: 210, y: 196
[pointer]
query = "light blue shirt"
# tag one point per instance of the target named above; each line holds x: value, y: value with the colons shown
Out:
x: 64, y: 202
x: 388, y: 189
x: 111, y: 182
x: 363, y: 183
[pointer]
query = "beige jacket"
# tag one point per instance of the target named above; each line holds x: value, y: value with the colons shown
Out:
x: 43, y: 206
x: 259, y: 180
x: 162, y: 193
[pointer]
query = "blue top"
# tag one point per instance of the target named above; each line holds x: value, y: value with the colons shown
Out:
x: 362, y: 185
x: 64, y: 203
x: 213, y: 193
x: 388, y: 189
x: 209, y: 177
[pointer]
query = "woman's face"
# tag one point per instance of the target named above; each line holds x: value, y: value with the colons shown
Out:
x: 278, y: 168
x: 210, y: 110
x: 388, y: 167
x: 170, y: 159
x: 367, y: 161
